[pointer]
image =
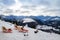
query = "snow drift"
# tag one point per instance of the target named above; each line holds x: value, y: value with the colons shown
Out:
x: 15, y: 35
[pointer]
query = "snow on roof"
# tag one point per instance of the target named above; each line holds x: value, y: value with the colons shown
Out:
x: 28, y: 20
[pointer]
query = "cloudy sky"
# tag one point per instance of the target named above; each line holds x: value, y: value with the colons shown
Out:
x: 30, y: 7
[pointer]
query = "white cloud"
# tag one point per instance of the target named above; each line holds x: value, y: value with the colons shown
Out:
x: 32, y: 10
x: 16, y: 6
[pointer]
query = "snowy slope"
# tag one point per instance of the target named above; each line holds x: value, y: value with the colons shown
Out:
x: 15, y: 35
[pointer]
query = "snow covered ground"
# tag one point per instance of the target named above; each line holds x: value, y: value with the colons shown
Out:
x: 15, y: 35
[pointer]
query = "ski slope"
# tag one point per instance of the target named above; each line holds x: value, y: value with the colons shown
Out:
x: 15, y: 35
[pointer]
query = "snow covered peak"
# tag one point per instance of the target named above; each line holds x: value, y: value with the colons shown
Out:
x: 55, y: 18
